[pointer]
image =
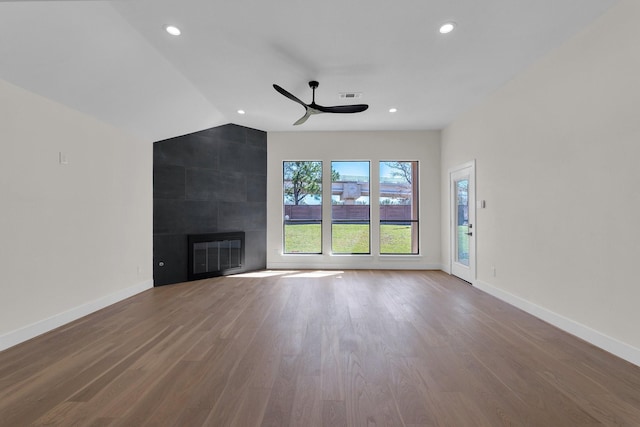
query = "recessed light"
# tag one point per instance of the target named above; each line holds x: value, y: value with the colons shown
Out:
x: 241, y: 111
x: 447, y: 28
x: 173, y: 30
x: 393, y: 110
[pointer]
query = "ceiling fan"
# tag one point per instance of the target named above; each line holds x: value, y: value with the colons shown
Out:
x: 314, y: 108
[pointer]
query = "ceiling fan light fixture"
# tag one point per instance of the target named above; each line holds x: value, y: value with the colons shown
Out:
x: 447, y: 27
x: 241, y: 112
x: 173, y: 30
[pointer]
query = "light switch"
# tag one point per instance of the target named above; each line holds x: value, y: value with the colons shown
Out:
x: 63, y: 159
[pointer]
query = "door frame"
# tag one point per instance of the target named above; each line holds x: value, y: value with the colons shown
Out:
x: 472, y: 219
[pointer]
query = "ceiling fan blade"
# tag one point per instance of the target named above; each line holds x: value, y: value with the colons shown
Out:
x: 314, y: 108
x: 304, y: 118
x: 289, y: 95
x: 356, y: 108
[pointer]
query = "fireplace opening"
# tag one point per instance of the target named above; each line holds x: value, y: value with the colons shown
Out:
x: 215, y: 254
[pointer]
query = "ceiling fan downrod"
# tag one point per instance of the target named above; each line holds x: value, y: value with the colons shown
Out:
x: 313, y: 85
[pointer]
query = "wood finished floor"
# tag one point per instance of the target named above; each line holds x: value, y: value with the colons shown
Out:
x: 357, y: 348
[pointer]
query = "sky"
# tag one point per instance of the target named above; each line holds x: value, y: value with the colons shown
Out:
x: 358, y: 168
x: 351, y: 168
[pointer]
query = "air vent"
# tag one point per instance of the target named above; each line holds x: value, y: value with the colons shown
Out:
x: 350, y: 95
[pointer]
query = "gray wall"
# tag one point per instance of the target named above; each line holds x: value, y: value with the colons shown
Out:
x: 207, y: 182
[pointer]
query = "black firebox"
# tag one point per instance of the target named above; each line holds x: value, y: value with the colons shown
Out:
x: 214, y: 254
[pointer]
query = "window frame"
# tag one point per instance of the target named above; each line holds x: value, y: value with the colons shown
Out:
x: 348, y: 220
x: 286, y: 220
x: 414, y: 221
x: 323, y: 238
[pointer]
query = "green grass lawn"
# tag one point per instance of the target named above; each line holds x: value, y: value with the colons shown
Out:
x: 346, y: 238
x: 350, y: 239
x: 463, y: 244
x: 302, y: 238
x: 395, y: 239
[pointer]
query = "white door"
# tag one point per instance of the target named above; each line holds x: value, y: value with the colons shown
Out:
x: 463, y: 214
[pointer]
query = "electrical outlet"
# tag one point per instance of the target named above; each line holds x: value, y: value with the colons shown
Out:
x: 493, y: 270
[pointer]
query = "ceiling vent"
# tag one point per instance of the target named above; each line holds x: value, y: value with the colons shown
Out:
x: 350, y: 95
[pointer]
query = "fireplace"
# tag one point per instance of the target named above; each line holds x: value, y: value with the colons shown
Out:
x: 214, y: 254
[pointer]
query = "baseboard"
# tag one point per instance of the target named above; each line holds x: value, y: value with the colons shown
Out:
x: 605, y: 342
x: 38, y: 328
x: 353, y: 266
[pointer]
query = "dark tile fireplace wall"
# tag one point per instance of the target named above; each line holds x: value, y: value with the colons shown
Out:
x: 211, y: 181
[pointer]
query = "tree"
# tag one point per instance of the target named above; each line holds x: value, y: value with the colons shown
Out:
x: 335, y: 175
x: 463, y: 192
x: 401, y: 169
x: 302, y: 179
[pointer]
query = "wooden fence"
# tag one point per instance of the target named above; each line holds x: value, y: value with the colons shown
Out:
x: 347, y: 212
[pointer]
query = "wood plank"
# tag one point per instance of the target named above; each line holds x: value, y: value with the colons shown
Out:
x: 334, y: 413
x: 352, y: 348
x: 307, y: 405
x: 278, y: 411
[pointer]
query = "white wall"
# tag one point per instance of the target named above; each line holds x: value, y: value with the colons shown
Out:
x: 74, y: 237
x: 372, y: 146
x: 557, y: 154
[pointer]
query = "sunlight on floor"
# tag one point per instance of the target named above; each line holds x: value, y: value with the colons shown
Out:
x: 290, y: 273
x: 318, y: 273
x: 265, y: 273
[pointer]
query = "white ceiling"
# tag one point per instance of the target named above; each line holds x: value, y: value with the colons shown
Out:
x: 114, y: 61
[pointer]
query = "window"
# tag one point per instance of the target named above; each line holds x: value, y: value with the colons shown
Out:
x: 350, y: 210
x: 348, y: 189
x: 399, y: 207
x: 302, y: 182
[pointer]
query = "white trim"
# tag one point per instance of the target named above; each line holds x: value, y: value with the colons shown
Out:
x: 625, y: 351
x: 38, y: 328
x: 353, y: 265
x: 469, y: 164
